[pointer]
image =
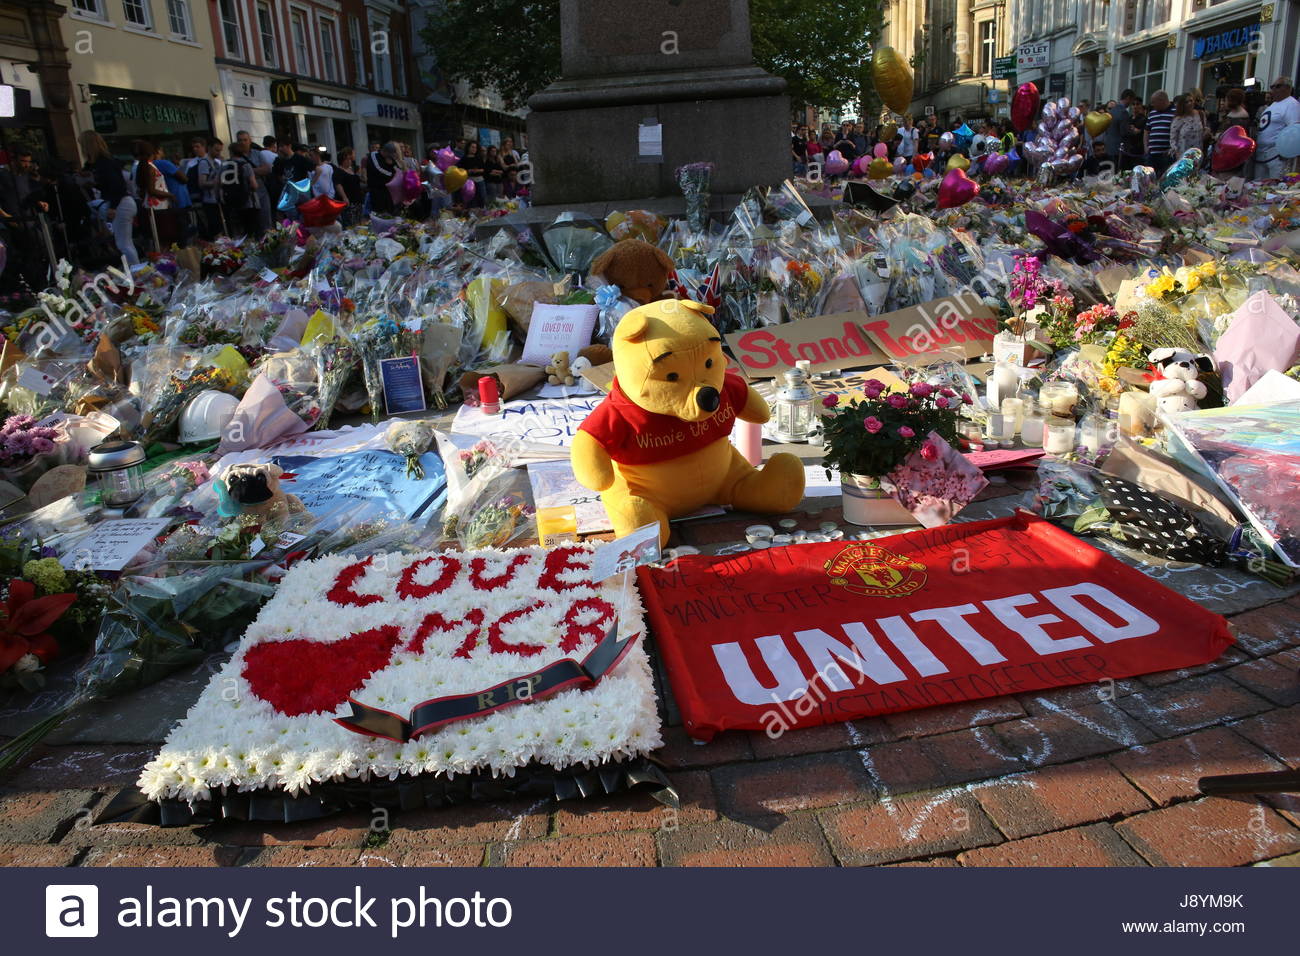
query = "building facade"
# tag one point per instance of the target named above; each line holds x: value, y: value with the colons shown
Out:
x: 34, y: 61
x: 952, y: 46
x: 142, y: 69
x: 328, y: 73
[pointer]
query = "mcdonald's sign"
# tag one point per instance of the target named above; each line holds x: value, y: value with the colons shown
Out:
x: 284, y: 92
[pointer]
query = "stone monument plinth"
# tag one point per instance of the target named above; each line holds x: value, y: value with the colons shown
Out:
x: 650, y: 85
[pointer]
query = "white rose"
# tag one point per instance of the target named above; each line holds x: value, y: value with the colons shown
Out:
x: 26, y: 664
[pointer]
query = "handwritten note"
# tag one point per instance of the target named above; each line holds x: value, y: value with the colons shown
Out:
x: 112, y: 544
x: 535, y: 422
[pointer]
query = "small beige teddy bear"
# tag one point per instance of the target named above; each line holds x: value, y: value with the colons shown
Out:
x: 559, y: 372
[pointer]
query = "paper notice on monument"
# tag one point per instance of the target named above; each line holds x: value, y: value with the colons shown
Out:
x: 650, y: 142
x: 111, y: 544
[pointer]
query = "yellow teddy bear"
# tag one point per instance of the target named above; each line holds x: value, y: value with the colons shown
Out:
x: 657, y: 447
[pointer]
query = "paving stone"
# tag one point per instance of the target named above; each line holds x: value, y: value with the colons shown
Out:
x: 1095, y: 845
x: 39, y: 816
x: 907, y: 828
x: 476, y: 822
x: 1191, y: 704
x: 681, y: 751
x: 1278, y: 732
x: 105, y: 835
x: 1068, y: 735
x: 1269, y: 677
x: 90, y: 768
x: 944, y: 862
x: 1268, y: 630
x: 974, y: 754
x: 761, y: 790
x: 1213, y: 831
x: 796, y: 842
x: 339, y: 830
x: 939, y: 720
x: 168, y: 856
x: 1057, y: 699
x: 1168, y: 770
x: 22, y: 854
x: 301, y: 856
x: 640, y: 811
x: 1055, y: 798
x: 608, y: 849
x: 1228, y: 658
x: 808, y: 740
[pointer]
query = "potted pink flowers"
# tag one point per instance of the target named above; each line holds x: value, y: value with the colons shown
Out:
x: 26, y: 450
x: 867, y: 439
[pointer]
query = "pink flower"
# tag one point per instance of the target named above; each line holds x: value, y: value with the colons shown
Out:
x: 872, y: 393
x: 947, y: 393
x: 929, y: 452
x: 906, y: 432
x: 941, y: 402
x: 874, y: 383
x: 897, y: 401
x: 830, y: 401
x: 966, y: 399
x: 922, y: 389
x: 872, y: 424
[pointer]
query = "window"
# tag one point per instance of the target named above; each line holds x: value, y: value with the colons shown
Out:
x: 1147, y: 71
x: 301, y: 52
x: 91, y: 8
x: 358, y: 60
x: 230, y: 34
x: 399, y: 69
x: 1150, y: 13
x: 266, y: 37
x: 382, y: 61
x: 178, y: 19
x: 988, y: 46
x: 329, y: 50
x: 137, y: 13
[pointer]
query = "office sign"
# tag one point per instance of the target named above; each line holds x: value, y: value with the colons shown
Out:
x: 1032, y: 56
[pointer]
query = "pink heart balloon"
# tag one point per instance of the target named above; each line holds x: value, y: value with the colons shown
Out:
x: 1024, y: 104
x: 860, y: 165
x: 881, y: 151
x: 1233, y: 148
x: 995, y: 163
x: 957, y: 189
x: 836, y: 164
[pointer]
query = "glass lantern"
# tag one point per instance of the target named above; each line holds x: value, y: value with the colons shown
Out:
x: 792, y: 411
x: 118, y: 470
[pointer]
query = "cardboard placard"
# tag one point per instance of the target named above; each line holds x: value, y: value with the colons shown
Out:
x: 827, y: 341
x: 601, y: 376
x: 1109, y: 280
x: 954, y: 323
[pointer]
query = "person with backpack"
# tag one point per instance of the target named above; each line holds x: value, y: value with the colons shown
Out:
x: 240, y: 193
x: 196, y: 171
x: 210, y: 183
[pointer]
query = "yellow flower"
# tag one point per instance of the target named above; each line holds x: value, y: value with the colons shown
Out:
x: 1207, y: 270
x: 1160, y: 286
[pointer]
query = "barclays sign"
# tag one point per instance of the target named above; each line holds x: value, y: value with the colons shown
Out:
x: 1226, y: 42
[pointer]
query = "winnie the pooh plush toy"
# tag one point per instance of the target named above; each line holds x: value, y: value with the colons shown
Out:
x: 657, y: 448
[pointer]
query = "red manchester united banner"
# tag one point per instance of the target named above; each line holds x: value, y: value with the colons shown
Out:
x: 816, y: 633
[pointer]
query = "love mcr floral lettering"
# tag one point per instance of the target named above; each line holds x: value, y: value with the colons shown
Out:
x: 392, y: 631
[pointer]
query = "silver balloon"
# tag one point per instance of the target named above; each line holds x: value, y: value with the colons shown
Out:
x: 1071, y: 137
x: 1074, y: 162
x: 1074, y: 112
x: 1049, y: 109
x: 1063, y: 103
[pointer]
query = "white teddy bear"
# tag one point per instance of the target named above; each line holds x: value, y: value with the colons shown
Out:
x: 1176, y: 388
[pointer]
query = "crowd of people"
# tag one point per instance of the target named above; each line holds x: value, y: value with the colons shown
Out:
x: 235, y: 189
x: 1153, y: 133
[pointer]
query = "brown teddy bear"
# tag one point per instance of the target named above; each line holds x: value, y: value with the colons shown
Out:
x: 641, y: 271
x: 559, y: 372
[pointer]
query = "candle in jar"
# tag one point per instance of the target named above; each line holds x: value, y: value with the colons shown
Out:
x: 1136, y: 414
x: 1058, y: 436
x: 1013, y: 409
x: 1092, y: 433
x: 1058, y: 398
x: 1031, y: 429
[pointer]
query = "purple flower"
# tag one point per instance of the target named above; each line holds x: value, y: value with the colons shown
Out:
x: 872, y: 424
x: 43, y: 446
x: 922, y: 389
x: 872, y: 393
x: 874, y: 383
x: 830, y: 401
x: 897, y: 401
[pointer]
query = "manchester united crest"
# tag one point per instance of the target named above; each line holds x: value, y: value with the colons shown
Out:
x: 871, y: 570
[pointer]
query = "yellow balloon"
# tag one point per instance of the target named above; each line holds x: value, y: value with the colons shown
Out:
x: 893, y: 78
x: 880, y: 168
x: 453, y: 177
x: 888, y: 133
x: 958, y: 161
x: 1096, y: 123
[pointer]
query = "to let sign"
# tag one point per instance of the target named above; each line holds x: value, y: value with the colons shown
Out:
x: 1033, y: 55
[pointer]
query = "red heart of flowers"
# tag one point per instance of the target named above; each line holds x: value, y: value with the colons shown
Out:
x: 310, y: 677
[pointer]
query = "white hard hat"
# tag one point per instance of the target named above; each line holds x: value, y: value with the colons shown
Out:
x: 206, y: 416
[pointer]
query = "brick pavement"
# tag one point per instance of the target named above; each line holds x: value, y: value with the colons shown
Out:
x: 1079, y: 776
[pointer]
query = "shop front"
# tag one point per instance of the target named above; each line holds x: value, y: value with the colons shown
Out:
x: 392, y: 121
x: 328, y: 118
x: 1226, y: 56
x: 29, y: 126
x: 170, y: 122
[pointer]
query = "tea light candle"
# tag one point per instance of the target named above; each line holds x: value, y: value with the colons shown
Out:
x: 1092, y: 433
x: 1031, y: 429
x: 1058, y: 398
x: 1058, y: 438
x: 1013, y: 409
x: 997, y: 424
x: 1137, y: 416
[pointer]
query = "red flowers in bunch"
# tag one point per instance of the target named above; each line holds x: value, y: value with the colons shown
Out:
x: 27, y: 619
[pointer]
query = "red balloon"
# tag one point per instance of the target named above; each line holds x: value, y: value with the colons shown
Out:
x: 321, y: 211
x: 1024, y: 104
x: 1233, y: 148
x: 957, y: 189
x: 921, y: 160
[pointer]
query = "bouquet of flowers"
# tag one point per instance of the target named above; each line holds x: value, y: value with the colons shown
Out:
x: 166, y: 404
x: 223, y: 257
x: 695, y: 179
x: 873, y: 436
x: 335, y: 361
x: 21, y: 440
x: 379, y: 339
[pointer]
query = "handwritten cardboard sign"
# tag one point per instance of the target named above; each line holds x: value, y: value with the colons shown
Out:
x: 954, y: 323
x: 827, y: 341
x: 114, y: 543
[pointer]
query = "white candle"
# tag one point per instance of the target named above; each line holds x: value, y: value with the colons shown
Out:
x: 1059, y: 436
